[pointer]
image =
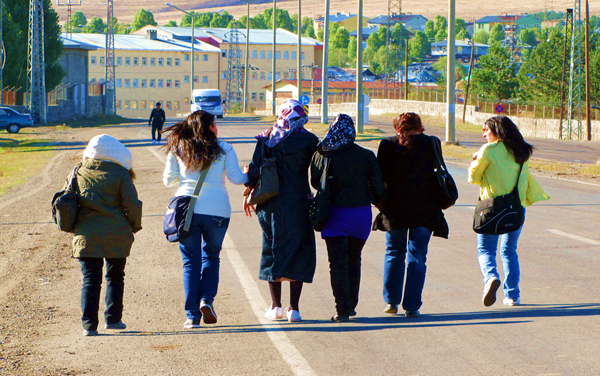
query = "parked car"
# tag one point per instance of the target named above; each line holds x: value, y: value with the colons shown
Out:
x: 13, y: 121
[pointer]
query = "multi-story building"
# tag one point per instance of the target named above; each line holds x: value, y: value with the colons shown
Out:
x: 346, y: 20
x: 260, y: 55
x: 148, y: 70
x: 410, y: 21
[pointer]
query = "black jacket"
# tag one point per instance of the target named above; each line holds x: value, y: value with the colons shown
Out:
x: 355, y: 176
x: 157, y: 117
x: 411, y: 185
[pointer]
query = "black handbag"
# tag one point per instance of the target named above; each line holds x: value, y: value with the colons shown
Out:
x: 64, y: 205
x: 267, y: 185
x: 178, y: 216
x: 500, y: 215
x: 448, y: 192
x: 320, y: 205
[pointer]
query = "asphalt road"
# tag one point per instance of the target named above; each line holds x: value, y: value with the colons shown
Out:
x: 554, y: 332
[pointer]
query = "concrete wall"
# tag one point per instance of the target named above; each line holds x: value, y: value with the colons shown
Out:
x: 95, y: 106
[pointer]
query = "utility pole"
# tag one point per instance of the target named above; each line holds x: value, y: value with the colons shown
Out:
x: 274, y: 66
x: 588, y: 110
x: 234, y: 78
x: 299, y: 52
x: 2, y: 53
x: 36, y: 65
x: 246, y: 68
x: 109, y: 77
x: 468, y: 80
x: 68, y: 4
x: 360, y: 101
x: 568, y: 29
x: 450, y: 79
x: 325, y: 74
x: 193, y: 18
x: 574, y: 124
x: 406, y: 68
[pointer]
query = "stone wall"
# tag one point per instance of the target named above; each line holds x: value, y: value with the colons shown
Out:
x: 95, y: 106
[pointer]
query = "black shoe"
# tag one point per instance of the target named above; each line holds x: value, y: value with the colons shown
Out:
x: 340, y: 318
x: 412, y: 313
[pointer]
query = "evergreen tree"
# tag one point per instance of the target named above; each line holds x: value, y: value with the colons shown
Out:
x: 496, y: 77
x: 419, y: 46
x: 497, y: 34
x: 430, y: 30
x: 143, y: 18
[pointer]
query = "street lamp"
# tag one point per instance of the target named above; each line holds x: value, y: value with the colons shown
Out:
x: 193, y: 42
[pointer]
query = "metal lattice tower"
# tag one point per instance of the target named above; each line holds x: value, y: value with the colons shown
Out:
x: 68, y: 4
x: 574, y: 128
x: 36, y: 65
x: 394, y: 10
x: 110, y: 96
x: 567, y: 42
x: 234, y: 68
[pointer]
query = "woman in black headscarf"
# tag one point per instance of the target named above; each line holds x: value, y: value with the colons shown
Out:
x: 355, y: 183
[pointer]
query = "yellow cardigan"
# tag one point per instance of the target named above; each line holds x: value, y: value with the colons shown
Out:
x: 495, y: 171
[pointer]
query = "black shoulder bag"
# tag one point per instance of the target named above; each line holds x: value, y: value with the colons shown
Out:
x: 64, y: 205
x: 500, y: 215
x: 448, y: 192
x: 267, y: 185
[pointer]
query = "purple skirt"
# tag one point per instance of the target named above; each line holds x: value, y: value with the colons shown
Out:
x: 354, y: 222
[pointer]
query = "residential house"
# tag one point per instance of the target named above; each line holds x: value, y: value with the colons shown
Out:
x: 463, y: 49
x: 410, y: 21
x: 367, y: 31
x: 346, y: 20
x: 527, y: 22
x: 488, y: 22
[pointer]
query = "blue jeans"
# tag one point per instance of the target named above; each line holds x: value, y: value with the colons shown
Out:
x: 399, y: 243
x: 200, y: 253
x: 487, y: 246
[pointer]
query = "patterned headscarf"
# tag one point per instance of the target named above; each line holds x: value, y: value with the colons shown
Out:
x: 341, y: 132
x: 292, y: 118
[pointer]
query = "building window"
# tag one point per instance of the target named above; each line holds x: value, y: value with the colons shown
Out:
x: 136, y: 61
x: 262, y: 76
x: 151, y: 104
x: 186, y: 100
x: 223, y: 76
x: 270, y: 55
x: 152, y: 61
x: 277, y: 55
x: 293, y: 55
x: 223, y: 53
x: 127, y: 61
x: 254, y: 75
x: 302, y: 56
x: 169, y: 85
x: 134, y: 105
x: 161, y: 62
x: 119, y: 60
x: 118, y: 82
x: 144, y: 61
x: 153, y: 83
x: 142, y: 105
x: 176, y: 105
x: 285, y: 55
x: 269, y: 76
x: 186, y: 79
x: 168, y: 106
x: 118, y: 105
x: 253, y: 96
x: 127, y: 105
x: 127, y: 82
x: 186, y: 57
x: 205, y: 57
x: 160, y: 83
x: 93, y: 60
x: 204, y: 79
x: 196, y: 57
x: 196, y: 79
x: 262, y: 96
x: 177, y: 62
x: 135, y: 83
x: 254, y: 54
x: 277, y: 76
x: 177, y: 84
x: 101, y: 60
x: 144, y: 83
x: 169, y: 62
x: 262, y: 54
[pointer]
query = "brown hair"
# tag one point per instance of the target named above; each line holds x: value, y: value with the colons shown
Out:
x: 404, y: 124
x: 193, y: 141
x: 506, y: 131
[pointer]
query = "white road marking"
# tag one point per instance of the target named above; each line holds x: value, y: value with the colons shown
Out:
x: 289, y: 352
x: 282, y: 342
x: 576, y: 237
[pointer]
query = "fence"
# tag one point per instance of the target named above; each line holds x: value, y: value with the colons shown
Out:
x: 9, y: 97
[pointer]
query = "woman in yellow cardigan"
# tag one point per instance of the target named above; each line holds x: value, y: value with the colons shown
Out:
x: 495, y: 168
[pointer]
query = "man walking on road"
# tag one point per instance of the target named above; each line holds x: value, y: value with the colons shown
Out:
x: 157, y: 119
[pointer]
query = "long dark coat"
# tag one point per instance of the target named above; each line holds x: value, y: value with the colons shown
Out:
x: 289, y: 249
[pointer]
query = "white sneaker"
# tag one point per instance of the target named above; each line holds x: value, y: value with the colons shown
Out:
x: 489, y: 292
x: 511, y: 302
x: 292, y: 315
x: 153, y: 142
x: 274, y: 313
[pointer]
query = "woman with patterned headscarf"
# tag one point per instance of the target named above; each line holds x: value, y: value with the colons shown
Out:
x: 355, y: 183
x: 289, y: 251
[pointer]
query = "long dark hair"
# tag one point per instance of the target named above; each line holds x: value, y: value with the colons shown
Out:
x: 193, y: 141
x: 506, y: 131
x: 404, y: 124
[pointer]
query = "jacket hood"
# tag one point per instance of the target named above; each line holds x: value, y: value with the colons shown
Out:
x: 108, y: 148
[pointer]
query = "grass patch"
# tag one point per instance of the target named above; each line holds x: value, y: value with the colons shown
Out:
x: 96, y: 121
x: 21, y: 158
x: 457, y: 151
x: 440, y: 122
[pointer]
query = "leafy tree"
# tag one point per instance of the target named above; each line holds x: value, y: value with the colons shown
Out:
x: 171, y: 24
x: 352, y: 51
x: 143, y: 18
x: 309, y: 29
x: 221, y: 20
x: 259, y: 22
x: 528, y: 36
x: 441, y: 65
x: 96, y: 25
x: 16, y: 21
x: 595, y: 77
x: 430, y: 30
x: 463, y: 34
x: 340, y: 39
x: 419, y: 46
x: 541, y: 72
x: 441, y: 28
x: 481, y: 37
x: 496, y: 78
x: 283, y: 19
x: 77, y: 19
x: 321, y: 34
x: 497, y: 34
x: 460, y: 27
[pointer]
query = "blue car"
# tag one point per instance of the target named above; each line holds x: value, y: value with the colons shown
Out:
x: 13, y: 121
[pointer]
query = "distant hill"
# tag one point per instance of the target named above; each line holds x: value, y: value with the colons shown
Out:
x: 466, y: 9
